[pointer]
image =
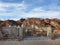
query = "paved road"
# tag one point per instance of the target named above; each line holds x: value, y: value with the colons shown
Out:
x: 31, y: 42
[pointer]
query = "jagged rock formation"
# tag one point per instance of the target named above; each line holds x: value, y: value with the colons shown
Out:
x: 55, y: 22
x: 19, y: 22
x: 11, y: 23
x: 42, y: 22
x: 36, y: 25
x: 30, y: 21
x: 37, y: 22
x: 8, y: 22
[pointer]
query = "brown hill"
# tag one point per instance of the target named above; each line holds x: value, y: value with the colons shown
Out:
x: 11, y: 22
x: 8, y: 22
x: 42, y: 22
x: 31, y: 21
x: 34, y: 24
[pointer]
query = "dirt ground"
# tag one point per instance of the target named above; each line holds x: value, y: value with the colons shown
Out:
x: 32, y: 42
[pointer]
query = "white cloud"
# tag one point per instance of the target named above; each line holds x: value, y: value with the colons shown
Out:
x: 16, y: 6
x: 18, y: 11
x: 39, y: 12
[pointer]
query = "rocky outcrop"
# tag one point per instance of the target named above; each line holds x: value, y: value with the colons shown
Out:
x: 19, y: 22
x: 8, y: 22
x: 38, y: 25
x: 35, y: 26
x: 55, y: 22
x: 37, y: 22
x: 11, y: 23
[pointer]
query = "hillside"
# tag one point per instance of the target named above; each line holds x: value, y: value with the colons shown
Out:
x: 29, y: 21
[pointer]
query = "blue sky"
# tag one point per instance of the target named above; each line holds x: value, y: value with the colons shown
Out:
x: 16, y: 9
